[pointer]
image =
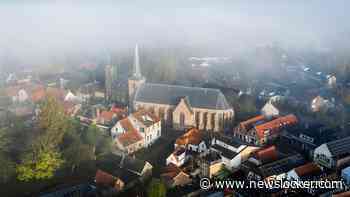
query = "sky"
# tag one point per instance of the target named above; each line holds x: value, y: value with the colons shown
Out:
x: 37, y: 29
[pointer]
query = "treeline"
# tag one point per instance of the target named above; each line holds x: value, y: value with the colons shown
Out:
x: 55, y: 146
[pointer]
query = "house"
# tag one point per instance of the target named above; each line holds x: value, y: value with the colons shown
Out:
x: 304, y: 138
x: 259, y: 131
x: 181, y: 107
x: 210, y: 164
x: 309, y: 171
x: 178, y: 157
x: 148, y: 124
x: 334, y: 154
x: 270, y: 110
x: 232, y: 152
x: 268, y: 164
x: 140, y: 129
x: 173, y: 176
x: 121, y: 172
x: 345, y: 175
x: 193, y: 140
x: 320, y: 104
x: 126, y: 137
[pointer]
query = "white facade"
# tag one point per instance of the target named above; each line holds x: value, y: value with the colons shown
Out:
x: 324, y: 157
x: 269, y: 110
x: 149, y: 133
x: 177, y: 160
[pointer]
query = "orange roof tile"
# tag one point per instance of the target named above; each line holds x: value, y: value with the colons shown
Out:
x: 141, y: 113
x: 193, y: 136
x: 308, y: 169
x: 275, y: 125
x: 249, y: 123
x: 107, y: 115
x: 267, y: 154
x: 130, y: 136
x: 38, y: 94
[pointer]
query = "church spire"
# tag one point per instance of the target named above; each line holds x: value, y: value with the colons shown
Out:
x: 136, y: 69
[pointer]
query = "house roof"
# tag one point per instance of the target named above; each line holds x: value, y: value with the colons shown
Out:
x: 281, y: 166
x: 275, y: 125
x: 147, y: 118
x: 107, y: 115
x: 339, y: 147
x: 104, y: 178
x: 128, y: 138
x: 171, y: 94
x: 192, y: 136
x: 308, y: 169
x: 248, y: 124
x: 170, y: 171
x: 267, y: 154
x: 227, y: 153
x: 125, y: 168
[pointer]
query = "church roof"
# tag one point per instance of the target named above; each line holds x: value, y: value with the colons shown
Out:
x: 171, y: 94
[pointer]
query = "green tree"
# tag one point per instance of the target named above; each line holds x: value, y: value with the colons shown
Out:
x: 53, y: 124
x: 75, y: 153
x: 156, y: 189
x: 39, y: 166
x: 90, y: 137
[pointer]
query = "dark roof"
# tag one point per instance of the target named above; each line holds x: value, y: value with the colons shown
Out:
x: 227, y: 153
x: 111, y: 163
x: 282, y: 165
x: 171, y: 95
x: 339, y: 147
x: 229, y: 140
x: 211, y: 157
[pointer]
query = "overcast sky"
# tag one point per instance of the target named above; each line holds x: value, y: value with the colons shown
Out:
x: 33, y: 29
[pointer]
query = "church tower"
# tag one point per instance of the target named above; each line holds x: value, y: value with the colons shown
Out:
x: 136, y: 79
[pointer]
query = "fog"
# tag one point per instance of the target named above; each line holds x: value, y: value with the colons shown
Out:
x: 35, y: 31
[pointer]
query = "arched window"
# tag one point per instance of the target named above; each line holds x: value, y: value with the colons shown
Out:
x: 182, y: 120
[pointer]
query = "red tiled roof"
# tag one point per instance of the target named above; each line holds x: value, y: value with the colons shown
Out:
x: 267, y: 154
x: 38, y: 94
x: 249, y: 123
x: 275, y: 125
x: 308, y: 169
x: 170, y: 171
x: 193, y: 136
x: 130, y: 136
x: 104, y: 178
x: 139, y: 116
x: 107, y: 115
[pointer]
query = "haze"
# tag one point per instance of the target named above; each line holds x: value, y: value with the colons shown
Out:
x: 34, y: 31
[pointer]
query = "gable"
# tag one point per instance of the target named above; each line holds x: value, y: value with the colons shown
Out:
x: 183, y: 106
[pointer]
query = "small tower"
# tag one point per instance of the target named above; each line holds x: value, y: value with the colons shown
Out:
x: 136, y: 79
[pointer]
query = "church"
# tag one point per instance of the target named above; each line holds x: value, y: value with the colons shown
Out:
x: 179, y: 106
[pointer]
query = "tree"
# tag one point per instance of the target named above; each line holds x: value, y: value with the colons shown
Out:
x: 7, y: 170
x: 156, y: 189
x: 76, y: 153
x: 90, y: 137
x: 39, y: 166
x: 53, y: 122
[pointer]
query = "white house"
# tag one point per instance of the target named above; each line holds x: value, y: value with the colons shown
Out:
x: 178, y: 157
x: 140, y: 129
x: 148, y: 125
x: 270, y: 110
x: 192, y: 140
x: 333, y: 154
